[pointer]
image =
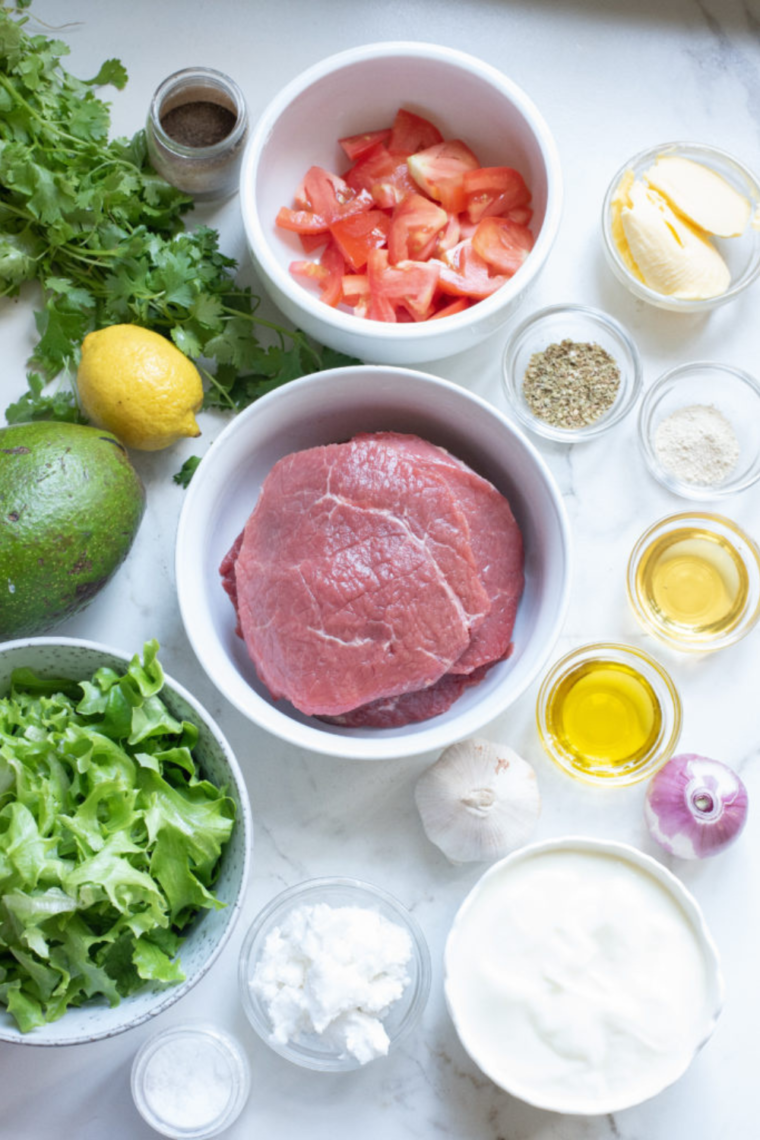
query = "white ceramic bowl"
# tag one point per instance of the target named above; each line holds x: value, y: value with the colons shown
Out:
x: 578, y: 969
x: 309, y: 1049
x: 356, y: 91
x: 78, y: 660
x: 328, y: 407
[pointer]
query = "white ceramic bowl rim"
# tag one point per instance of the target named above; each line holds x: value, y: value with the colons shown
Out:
x: 341, y: 743
x: 172, y: 994
x: 674, y: 886
x: 425, y: 330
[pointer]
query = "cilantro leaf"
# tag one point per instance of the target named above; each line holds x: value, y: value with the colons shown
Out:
x: 186, y: 471
x: 112, y: 71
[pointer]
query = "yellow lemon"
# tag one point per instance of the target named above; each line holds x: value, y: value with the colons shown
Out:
x: 136, y: 384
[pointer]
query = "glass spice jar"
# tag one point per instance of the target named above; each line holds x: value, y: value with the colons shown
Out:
x: 196, y: 131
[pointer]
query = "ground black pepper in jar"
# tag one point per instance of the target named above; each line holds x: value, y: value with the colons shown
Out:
x: 196, y: 132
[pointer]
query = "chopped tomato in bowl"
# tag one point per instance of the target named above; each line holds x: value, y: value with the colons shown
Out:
x: 359, y: 117
x: 416, y: 220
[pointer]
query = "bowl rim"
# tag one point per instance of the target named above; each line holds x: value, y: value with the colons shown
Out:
x: 668, y: 523
x: 696, y: 491
x: 623, y: 274
x: 343, y: 745
x: 510, y: 382
x: 574, y: 657
x: 282, y: 903
x: 234, y: 909
x: 419, y: 332
x: 669, y: 881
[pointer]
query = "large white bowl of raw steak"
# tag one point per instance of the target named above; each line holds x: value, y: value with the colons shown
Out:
x: 397, y: 407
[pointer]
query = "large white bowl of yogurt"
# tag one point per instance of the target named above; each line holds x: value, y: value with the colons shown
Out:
x: 581, y: 977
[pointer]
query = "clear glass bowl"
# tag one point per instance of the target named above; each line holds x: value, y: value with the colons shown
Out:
x: 732, y: 392
x: 689, y: 636
x: 741, y: 254
x: 310, y: 1050
x: 580, y: 324
x: 610, y: 773
x: 191, y: 1081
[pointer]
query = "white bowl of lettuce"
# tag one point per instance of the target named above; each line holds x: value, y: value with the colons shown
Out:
x: 125, y: 839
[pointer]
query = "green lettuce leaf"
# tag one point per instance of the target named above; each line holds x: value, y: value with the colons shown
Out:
x: 110, y: 840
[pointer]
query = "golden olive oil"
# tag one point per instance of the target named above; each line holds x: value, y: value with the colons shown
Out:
x: 692, y: 583
x: 605, y: 716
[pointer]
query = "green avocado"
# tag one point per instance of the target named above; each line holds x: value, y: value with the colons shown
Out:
x: 70, y: 506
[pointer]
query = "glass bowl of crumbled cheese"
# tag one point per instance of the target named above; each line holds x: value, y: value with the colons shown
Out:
x: 699, y: 426
x: 334, y: 973
x: 570, y: 373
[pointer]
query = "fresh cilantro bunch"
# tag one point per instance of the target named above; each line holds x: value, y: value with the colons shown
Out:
x: 110, y: 839
x: 102, y: 233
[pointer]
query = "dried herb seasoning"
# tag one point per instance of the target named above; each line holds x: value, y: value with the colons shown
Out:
x: 571, y: 384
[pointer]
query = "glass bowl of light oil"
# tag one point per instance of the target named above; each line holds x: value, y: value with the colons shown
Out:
x: 694, y: 581
x: 609, y: 714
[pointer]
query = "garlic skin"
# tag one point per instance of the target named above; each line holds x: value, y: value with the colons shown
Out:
x: 479, y: 801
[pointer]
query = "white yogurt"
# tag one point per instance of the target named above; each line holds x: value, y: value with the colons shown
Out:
x: 577, y: 981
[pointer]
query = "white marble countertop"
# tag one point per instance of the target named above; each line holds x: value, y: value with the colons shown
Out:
x: 611, y: 78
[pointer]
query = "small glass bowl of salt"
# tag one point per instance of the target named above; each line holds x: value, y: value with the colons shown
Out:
x: 190, y: 1082
x: 699, y: 428
x: 334, y: 973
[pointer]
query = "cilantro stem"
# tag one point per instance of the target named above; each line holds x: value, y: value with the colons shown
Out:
x: 223, y: 393
x: 295, y: 335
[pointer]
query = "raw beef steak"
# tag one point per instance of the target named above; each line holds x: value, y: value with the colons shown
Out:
x: 354, y: 579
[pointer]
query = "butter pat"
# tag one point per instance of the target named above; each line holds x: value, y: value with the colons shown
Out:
x: 701, y: 195
x: 672, y: 256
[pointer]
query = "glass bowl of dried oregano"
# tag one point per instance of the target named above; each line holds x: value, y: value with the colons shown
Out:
x: 571, y: 373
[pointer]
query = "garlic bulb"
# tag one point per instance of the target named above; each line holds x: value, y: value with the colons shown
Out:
x: 479, y: 801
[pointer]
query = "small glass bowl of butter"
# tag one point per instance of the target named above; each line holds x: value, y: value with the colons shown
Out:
x: 681, y: 226
x: 334, y: 973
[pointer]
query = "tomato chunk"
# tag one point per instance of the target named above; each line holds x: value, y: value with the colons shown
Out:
x: 382, y: 175
x: 464, y: 273
x: 411, y: 133
x: 440, y: 171
x: 327, y: 273
x: 502, y: 243
x: 493, y: 190
x: 331, y: 197
x: 451, y: 309
x: 355, y: 236
x: 356, y: 146
x: 301, y: 221
x: 409, y: 283
x: 415, y: 226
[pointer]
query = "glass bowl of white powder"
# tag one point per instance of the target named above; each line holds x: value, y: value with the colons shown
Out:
x: 334, y: 973
x: 699, y: 427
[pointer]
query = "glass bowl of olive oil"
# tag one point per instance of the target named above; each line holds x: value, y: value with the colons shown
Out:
x: 694, y: 581
x: 609, y: 714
